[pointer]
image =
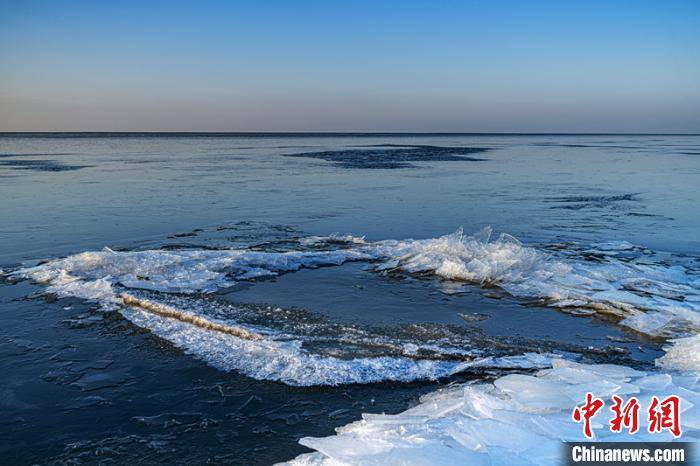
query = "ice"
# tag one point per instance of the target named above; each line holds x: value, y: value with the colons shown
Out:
x: 608, y: 371
x: 279, y: 358
x: 284, y: 361
x: 521, y: 361
x: 650, y: 297
x: 655, y: 299
x: 180, y: 271
x: 102, y: 275
x: 100, y: 289
x: 543, y: 395
x: 611, y: 246
x: 332, y: 238
x: 535, y: 394
x: 656, y: 382
x: 682, y: 354
x: 501, y: 422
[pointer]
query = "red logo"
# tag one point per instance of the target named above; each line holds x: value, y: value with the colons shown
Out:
x: 661, y: 414
x: 586, y: 412
x: 665, y: 414
x: 626, y: 416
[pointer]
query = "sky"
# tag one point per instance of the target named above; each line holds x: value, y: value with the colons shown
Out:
x: 414, y: 66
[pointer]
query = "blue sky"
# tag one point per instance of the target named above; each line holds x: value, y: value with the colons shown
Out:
x: 499, y: 66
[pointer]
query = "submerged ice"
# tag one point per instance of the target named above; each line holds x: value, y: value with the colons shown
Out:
x: 281, y: 357
x: 518, y: 419
x: 285, y: 360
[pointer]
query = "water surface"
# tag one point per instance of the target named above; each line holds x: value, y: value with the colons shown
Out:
x: 86, y: 382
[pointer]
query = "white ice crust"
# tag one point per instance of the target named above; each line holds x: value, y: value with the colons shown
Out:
x: 96, y: 276
x: 283, y: 360
x: 180, y: 271
x: 516, y: 420
x: 652, y: 298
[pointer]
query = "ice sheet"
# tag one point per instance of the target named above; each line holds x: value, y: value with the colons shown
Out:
x: 101, y: 276
x: 285, y: 361
x: 649, y: 296
x: 517, y: 419
x: 682, y: 354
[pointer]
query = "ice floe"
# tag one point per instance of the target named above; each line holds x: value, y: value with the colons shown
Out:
x: 654, y: 299
x: 651, y: 297
x: 682, y: 354
x: 180, y: 271
x: 282, y: 358
x: 285, y: 360
x: 517, y: 419
x: 102, y: 276
x: 268, y: 354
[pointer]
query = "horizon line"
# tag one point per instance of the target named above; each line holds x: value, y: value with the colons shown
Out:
x: 331, y: 133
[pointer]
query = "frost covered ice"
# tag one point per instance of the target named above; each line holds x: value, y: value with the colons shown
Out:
x: 99, y: 276
x: 518, y: 419
x: 650, y: 297
x: 181, y: 271
x: 654, y: 299
x: 682, y: 354
x: 285, y: 360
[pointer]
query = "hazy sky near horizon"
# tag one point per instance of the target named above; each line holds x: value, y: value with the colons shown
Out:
x: 501, y: 66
